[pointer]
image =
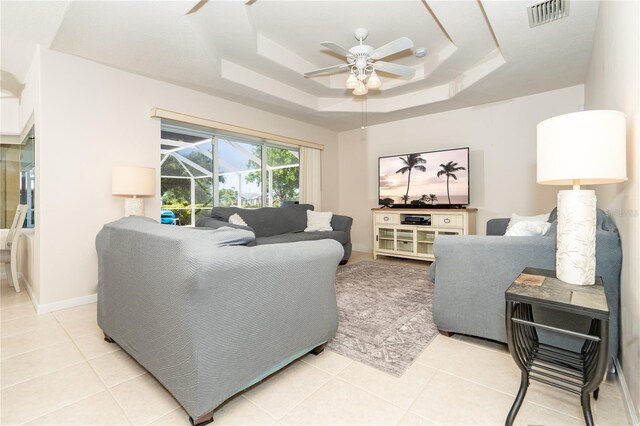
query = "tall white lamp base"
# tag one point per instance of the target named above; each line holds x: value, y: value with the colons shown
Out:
x: 576, y: 254
x: 134, y: 206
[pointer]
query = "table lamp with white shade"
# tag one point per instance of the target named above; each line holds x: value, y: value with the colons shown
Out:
x: 581, y: 148
x: 133, y: 182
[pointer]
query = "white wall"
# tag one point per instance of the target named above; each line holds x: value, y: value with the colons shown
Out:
x: 93, y: 118
x: 502, y: 141
x: 331, y: 181
x: 613, y: 83
x: 30, y: 96
x: 9, y: 123
x: 30, y: 106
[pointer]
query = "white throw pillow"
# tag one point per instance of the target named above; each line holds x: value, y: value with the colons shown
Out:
x: 528, y: 228
x: 517, y: 218
x: 237, y: 220
x: 318, y: 221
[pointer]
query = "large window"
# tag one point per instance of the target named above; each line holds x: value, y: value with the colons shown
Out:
x: 201, y: 168
x: 239, y: 173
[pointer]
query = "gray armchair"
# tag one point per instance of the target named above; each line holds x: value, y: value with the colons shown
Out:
x: 207, y: 316
x: 473, y: 272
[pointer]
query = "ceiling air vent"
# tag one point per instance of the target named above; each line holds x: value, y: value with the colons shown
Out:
x: 547, y: 11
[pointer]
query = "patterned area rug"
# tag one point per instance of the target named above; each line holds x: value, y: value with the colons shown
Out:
x: 385, y: 314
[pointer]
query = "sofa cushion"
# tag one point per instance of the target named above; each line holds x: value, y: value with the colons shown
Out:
x: 268, y: 221
x: 209, y: 222
x: 497, y: 226
x: 340, y: 236
x: 318, y: 221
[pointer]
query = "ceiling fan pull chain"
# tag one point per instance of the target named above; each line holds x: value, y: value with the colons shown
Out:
x: 363, y: 108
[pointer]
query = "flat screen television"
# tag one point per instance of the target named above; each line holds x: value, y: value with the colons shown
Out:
x: 425, y: 179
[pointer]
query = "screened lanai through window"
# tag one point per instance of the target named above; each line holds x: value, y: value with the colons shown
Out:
x: 186, y: 162
x: 201, y: 168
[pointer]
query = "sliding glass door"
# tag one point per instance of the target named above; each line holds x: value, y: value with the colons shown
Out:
x: 283, y: 175
x: 240, y: 173
x: 186, y: 175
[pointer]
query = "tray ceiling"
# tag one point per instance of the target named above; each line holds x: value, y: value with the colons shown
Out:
x: 478, y: 52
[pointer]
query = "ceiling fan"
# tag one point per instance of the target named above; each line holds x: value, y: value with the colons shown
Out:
x: 363, y: 59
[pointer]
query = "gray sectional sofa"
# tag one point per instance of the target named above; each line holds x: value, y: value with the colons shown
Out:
x: 473, y: 272
x: 274, y: 225
x: 207, y: 315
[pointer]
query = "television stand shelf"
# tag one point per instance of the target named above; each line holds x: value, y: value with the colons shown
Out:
x: 410, y: 233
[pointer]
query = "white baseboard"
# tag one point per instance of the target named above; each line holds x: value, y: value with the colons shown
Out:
x: 26, y: 284
x: 55, y: 306
x: 65, y: 304
x: 626, y: 395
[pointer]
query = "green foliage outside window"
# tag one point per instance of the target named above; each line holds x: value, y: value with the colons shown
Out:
x: 286, y: 181
x: 178, y: 191
x: 228, y: 197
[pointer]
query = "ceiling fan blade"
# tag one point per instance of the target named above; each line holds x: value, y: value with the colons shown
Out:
x: 393, y: 47
x: 250, y: 2
x: 391, y: 68
x: 197, y: 7
x: 338, y: 49
x: 327, y: 69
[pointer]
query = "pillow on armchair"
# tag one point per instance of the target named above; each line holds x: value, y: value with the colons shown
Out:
x: 499, y: 226
x: 528, y: 228
x: 516, y: 218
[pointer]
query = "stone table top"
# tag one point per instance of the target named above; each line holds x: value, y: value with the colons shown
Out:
x: 553, y: 293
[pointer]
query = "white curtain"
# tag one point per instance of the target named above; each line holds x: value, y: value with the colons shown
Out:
x: 310, y: 177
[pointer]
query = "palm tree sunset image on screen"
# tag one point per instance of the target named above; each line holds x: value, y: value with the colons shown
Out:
x: 449, y: 170
x: 411, y: 161
x: 418, y: 180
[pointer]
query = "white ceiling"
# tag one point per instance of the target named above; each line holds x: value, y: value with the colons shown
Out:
x: 478, y: 51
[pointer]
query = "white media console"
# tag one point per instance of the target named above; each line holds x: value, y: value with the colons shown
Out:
x: 410, y: 233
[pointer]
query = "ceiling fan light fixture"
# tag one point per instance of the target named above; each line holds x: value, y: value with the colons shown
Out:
x: 361, y: 60
x: 374, y: 81
x: 360, y: 90
x: 352, y: 82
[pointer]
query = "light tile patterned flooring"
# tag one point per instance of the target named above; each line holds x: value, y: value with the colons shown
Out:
x: 56, y: 370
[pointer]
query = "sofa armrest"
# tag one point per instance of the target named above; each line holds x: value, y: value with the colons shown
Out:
x: 472, y: 274
x: 497, y: 226
x: 341, y: 223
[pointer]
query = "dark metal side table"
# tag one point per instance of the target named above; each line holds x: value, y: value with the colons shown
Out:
x: 577, y: 372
